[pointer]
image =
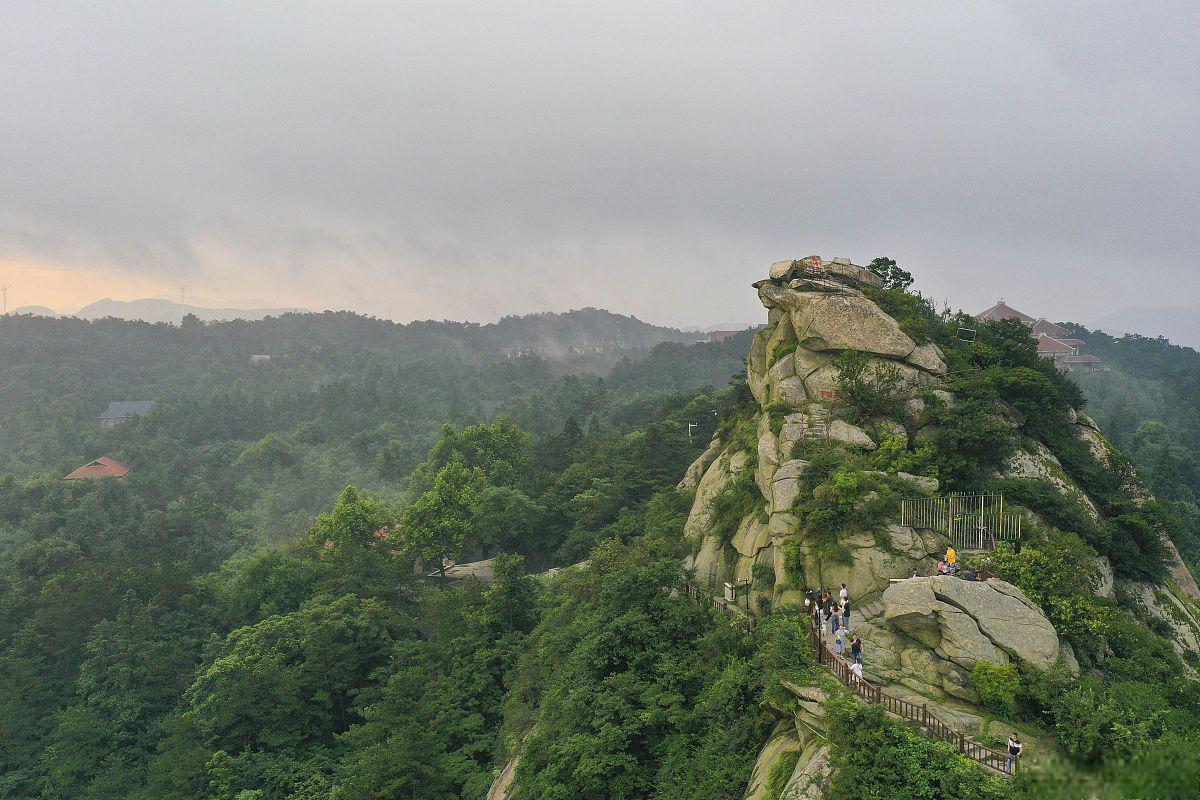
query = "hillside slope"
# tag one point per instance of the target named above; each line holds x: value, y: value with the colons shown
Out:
x: 801, y: 491
x: 1148, y: 405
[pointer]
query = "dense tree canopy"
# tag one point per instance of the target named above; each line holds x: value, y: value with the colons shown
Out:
x: 245, y: 616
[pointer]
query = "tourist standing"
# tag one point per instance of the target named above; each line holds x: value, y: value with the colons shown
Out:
x: 836, y: 623
x: 856, y: 649
x: 1014, y: 752
x: 839, y: 646
x: 846, y: 615
x: 843, y: 594
x: 856, y: 672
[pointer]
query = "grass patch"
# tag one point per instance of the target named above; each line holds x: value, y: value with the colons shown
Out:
x: 780, y: 773
x: 781, y: 350
x: 734, y: 502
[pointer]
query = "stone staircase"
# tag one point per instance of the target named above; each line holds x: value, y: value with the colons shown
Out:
x: 818, y: 422
x: 870, y: 611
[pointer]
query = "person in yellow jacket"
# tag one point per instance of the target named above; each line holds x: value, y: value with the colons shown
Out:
x: 951, y: 556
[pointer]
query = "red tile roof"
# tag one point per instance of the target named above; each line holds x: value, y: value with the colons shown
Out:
x: 1048, y: 344
x: 1002, y: 311
x: 102, y: 467
x: 1050, y: 329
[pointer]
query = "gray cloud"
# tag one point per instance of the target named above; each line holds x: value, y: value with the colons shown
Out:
x: 468, y: 159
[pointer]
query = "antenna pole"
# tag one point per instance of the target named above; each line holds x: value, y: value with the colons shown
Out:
x: 182, y: 312
x: 4, y: 287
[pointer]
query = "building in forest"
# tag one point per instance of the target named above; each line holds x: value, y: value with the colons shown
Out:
x: 102, y: 467
x: 123, y: 411
x: 1053, y: 340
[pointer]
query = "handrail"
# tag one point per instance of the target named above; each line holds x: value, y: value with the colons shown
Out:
x: 745, y: 622
x: 932, y: 727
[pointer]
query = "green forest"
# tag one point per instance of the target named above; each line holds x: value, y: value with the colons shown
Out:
x: 1148, y: 404
x: 254, y: 613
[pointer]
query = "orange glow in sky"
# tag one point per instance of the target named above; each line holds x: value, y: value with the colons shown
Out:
x: 67, y: 290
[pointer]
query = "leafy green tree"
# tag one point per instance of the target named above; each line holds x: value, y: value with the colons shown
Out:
x: 298, y: 671
x: 441, y: 522
x: 893, y: 277
x: 874, y: 758
x: 137, y: 666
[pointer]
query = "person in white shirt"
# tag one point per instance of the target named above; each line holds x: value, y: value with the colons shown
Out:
x: 843, y: 594
x: 1015, y: 746
x: 856, y: 672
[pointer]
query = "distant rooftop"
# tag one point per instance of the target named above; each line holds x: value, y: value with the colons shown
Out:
x: 1003, y: 311
x: 1050, y: 329
x: 1048, y: 344
x: 127, y: 408
x: 103, y: 467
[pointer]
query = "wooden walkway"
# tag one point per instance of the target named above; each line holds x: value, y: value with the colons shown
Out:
x: 929, y: 723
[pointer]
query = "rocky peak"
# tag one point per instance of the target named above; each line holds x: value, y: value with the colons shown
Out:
x: 816, y: 310
x: 838, y: 271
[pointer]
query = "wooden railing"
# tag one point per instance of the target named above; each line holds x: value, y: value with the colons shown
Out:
x: 929, y: 723
x: 698, y: 597
x: 969, y: 521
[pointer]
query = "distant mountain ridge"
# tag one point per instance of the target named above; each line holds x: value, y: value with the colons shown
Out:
x: 153, y: 309
x: 587, y: 329
x: 35, y: 311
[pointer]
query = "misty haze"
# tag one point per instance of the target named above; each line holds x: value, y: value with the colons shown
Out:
x: 601, y: 401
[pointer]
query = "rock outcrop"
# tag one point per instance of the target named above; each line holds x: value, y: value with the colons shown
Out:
x: 923, y: 636
x: 804, y: 733
x: 816, y: 310
x: 970, y: 621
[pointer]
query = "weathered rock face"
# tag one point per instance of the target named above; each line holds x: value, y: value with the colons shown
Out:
x: 816, y: 309
x: 850, y: 435
x: 845, y: 322
x: 935, y: 630
x: 1034, y: 460
x: 806, y: 735
x: 1161, y: 602
x: 922, y: 636
x: 691, y: 478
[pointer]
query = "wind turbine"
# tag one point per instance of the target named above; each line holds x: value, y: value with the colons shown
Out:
x: 4, y: 287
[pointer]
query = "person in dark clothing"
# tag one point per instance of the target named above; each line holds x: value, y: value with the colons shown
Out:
x: 846, y: 615
x: 1014, y: 752
x: 856, y: 649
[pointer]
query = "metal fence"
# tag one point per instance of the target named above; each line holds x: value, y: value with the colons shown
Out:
x: 969, y: 521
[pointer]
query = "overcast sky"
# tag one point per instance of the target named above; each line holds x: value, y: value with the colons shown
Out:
x: 465, y: 160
